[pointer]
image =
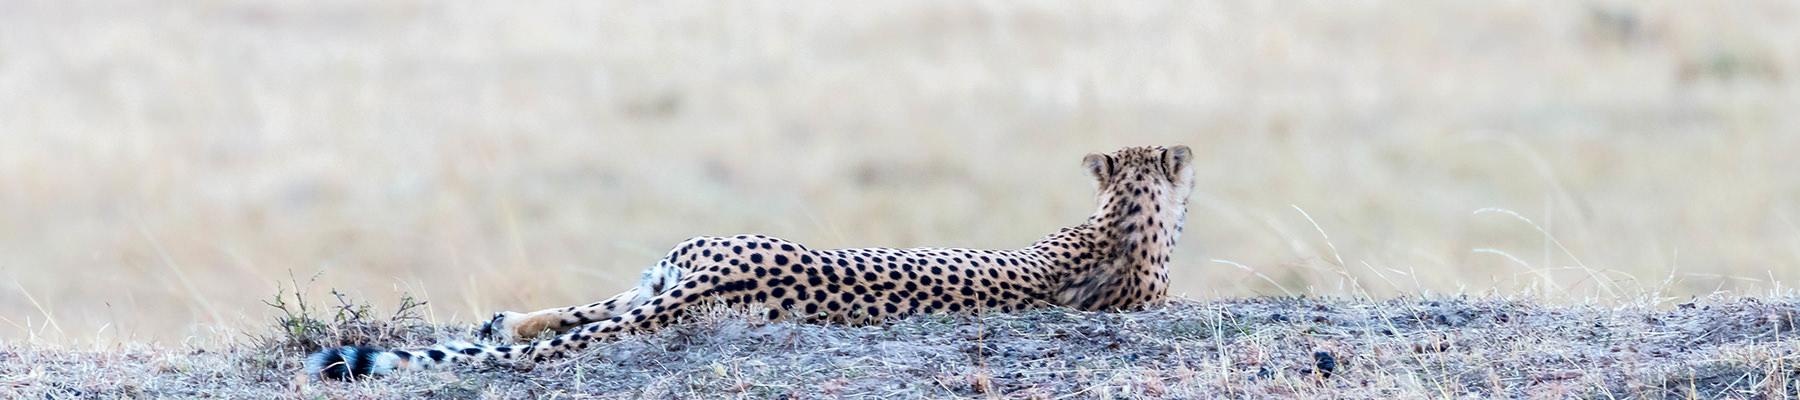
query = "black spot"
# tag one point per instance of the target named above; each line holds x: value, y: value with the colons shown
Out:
x: 756, y: 258
x: 781, y: 259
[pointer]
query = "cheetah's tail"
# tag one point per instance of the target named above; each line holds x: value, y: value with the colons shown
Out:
x: 357, y: 362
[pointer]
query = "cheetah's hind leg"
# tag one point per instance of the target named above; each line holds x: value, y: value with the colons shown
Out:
x: 512, y: 327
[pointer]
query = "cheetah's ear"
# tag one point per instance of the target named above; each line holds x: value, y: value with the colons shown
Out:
x: 1098, y: 165
x: 1176, y: 159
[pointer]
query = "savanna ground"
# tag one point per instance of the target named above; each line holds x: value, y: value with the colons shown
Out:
x: 1263, y: 348
x: 167, y: 166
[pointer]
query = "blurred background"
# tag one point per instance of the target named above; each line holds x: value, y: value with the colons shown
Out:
x: 166, y: 165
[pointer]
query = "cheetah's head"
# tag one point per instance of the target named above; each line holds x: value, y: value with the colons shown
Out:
x: 1148, y: 168
x: 1154, y: 178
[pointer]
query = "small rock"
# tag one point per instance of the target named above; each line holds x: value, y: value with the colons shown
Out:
x: 1433, y: 346
x: 1325, y: 362
x: 1557, y: 376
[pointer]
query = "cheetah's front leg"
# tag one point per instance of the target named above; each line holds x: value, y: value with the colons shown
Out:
x: 508, y: 326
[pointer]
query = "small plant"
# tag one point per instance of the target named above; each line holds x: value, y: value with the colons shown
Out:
x: 349, y: 321
x: 296, y: 322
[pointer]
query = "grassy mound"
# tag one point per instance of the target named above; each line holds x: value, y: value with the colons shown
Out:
x: 1725, y: 347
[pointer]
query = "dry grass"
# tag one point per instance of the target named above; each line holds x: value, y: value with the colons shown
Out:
x: 1271, y: 347
x: 164, y: 165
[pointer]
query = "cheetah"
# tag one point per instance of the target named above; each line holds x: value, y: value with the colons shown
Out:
x: 1116, y: 260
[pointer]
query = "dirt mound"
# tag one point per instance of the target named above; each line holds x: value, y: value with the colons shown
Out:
x: 1738, y: 347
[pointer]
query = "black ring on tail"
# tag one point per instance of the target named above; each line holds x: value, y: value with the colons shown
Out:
x: 343, y: 363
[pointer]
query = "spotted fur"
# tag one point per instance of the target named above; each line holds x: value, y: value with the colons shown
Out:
x: 1117, y: 260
